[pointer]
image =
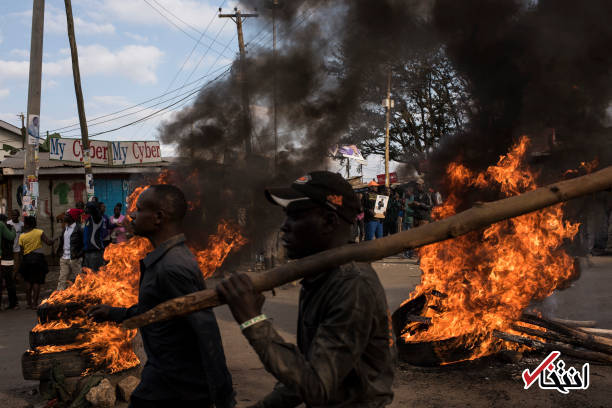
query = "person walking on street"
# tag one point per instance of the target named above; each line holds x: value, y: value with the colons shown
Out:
x: 70, y: 249
x: 34, y: 266
x: 185, y: 360
x: 7, y: 268
x: 345, y: 353
x: 93, y: 233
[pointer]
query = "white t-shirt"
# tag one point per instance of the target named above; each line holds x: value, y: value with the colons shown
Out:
x: 18, y: 229
x: 67, y: 233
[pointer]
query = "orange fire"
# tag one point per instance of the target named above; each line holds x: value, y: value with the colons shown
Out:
x: 116, y: 283
x: 488, y: 277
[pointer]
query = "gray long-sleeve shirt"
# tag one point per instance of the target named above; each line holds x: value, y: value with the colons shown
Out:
x: 185, y: 358
x: 346, y: 350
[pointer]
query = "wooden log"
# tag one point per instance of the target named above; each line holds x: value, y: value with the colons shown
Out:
x: 575, y: 323
x: 475, y: 218
x: 36, y: 366
x: 54, y: 337
x: 418, y: 319
x: 597, y: 331
x: 50, y: 311
x: 549, y: 335
x: 563, y: 348
x: 590, y: 341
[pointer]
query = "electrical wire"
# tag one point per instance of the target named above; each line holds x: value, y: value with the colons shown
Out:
x: 173, y: 23
x: 75, y: 125
x: 191, y: 95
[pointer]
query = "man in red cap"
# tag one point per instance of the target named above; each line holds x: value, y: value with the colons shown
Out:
x: 346, y: 351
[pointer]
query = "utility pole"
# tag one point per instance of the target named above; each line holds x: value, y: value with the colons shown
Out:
x: 238, y: 17
x: 274, y: 7
x: 30, y: 168
x: 76, y: 73
x: 388, y: 104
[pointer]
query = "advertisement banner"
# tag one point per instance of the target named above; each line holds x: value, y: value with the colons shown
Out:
x: 72, y: 150
x: 125, y: 153
x: 109, y: 153
x: 380, y: 178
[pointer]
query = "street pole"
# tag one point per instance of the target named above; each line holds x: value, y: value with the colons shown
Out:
x: 388, y: 104
x: 76, y: 73
x: 30, y: 170
x: 238, y: 17
x: 275, y: 6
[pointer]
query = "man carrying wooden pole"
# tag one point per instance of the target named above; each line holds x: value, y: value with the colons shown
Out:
x: 345, y: 349
x: 477, y: 217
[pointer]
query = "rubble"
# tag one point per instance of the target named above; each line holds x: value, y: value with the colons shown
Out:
x: 103, y: 395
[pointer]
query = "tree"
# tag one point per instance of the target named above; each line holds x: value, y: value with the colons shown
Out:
x: 431, y: 101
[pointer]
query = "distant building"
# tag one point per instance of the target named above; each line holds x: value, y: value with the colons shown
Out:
x: 10, y: 139
x: 62, y: 185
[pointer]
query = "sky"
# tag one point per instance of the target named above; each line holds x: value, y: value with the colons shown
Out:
x: 130, y: 52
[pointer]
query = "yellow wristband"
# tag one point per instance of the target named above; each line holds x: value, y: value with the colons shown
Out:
x: 253, y: 321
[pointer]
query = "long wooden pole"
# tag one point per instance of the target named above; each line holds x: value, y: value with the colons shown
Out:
x: 76, y: 73
x: 477, y: 217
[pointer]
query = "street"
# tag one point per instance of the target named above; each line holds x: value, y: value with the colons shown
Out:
x: 486, y: 382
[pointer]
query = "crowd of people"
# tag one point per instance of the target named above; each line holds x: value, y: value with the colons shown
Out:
x: 407, y: 206
x: 87, y: 230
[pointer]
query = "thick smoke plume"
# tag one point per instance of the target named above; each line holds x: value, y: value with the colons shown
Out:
x: 530, y: 66
x: 314, y: 104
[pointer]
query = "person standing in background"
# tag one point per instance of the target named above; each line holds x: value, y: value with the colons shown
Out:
x: 18, y: 228
x: 70, y: 249
x: 117, y: 225
x: 373, y: 225
x: 7, y: 268
x: 34, y: 266
x: 93, y: 233
x: 106, y: 238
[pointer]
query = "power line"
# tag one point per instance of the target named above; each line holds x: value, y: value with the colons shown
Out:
x: 196, y: 45
x: 174, y: 24
x: 90, y: 125
x: 213, y: 64
x: 191, y: 95
x: 147, y: 101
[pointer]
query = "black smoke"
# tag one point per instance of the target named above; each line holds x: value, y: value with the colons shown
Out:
x: 530, y: 66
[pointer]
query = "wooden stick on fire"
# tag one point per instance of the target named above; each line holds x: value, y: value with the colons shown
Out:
x: 477, y: 217
x: 563, y: 348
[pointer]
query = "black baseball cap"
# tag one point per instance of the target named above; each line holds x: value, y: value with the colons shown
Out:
x: 318, y: 188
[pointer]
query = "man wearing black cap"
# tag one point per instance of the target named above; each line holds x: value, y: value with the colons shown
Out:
x: 345, y: 352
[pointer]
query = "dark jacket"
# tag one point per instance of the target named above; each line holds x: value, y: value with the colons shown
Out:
x: 185, y: 359
x: 76, y: 242
x: 6, y: 233
x: 346, y: 351
x: 94, y: 230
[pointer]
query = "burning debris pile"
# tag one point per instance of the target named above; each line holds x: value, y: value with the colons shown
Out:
x: 65, y: 333
x: 481, y: 282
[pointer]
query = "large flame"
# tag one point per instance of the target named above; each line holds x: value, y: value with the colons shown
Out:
x: 116, y: 283
x: 488, y: 277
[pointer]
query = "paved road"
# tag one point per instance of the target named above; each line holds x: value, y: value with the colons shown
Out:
x: 481, y: 384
